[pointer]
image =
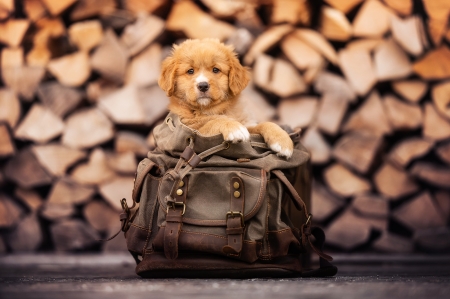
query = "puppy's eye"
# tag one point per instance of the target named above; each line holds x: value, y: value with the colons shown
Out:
x: 190, y: 71
x: 216, y: 70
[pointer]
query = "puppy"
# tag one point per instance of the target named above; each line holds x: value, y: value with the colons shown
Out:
x: 203, y: 79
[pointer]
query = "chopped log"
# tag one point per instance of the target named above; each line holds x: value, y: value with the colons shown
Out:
x: 433, y: 174
x: 154, y: 102
x: 56, y: 212
x: 39, y: 125
x: 138, y: 6
x: 262, y: 69
x: 39, y: 56
x: 56, y: 7
x: 130, y: 142
x: 265, y: 41
x: 443, y: 203
x: 391, y: 62
x: 139, y: 35
x: 370, y: 116
x: 34, y: 9
x: 110, y: 50
x: 433, y: 240
x: 7, y: 147
x: 295, y: 12
x: 441, y: 98
x: 58, y: 98
x: 26, y: 171
x: 13, y: 31
x: 343, y: 182
x: 23, y: 80
x: 257, y: 104
x: 117, y: 19
x: 73, y: 234
x: 116, y: 189
x: 144, y: 69
x: 435, y: 65
x: 3, y: 248
x: 332, y: 109
x: 394, y: 183
x: 434, y: 125
x: 334, y: 25
x: 411, y: 90
x: 329, y: 83
x: 402, y: 7
x: 100, y: 88
x: 53, y: 27
x: 365, y: 44
x: 298, y: 112
x: 11, y: 58
x: 72, y: 69
x: 122, y: 163
x: 406, y: 151
x: 443, y: 151
x: 447, y: 35
x: 67, y: 191
x: 10, y: 212
x: 85, y: 9
x: 356, y: 64
x: 87, y: 128
x: 343, y: 5
x: 407, y: 33
x: 348, y: 231
x: 95, y: 171
x: 412, y: 213
x: 357, y: 150
x: 86, y: 35
x: 318, y: 42
x: 392, y: 243
x: 402, y: 116
x: 300, y: 53
x: 101, y: 216
x: 29, y: 198
x: 373, y: 19
x: 310, y: 74
x: 317, y: 146
x: 26, y: 236
x: 241, y: 40
x: 371, y: 205
x: 201, y: 24
x: 56, y: 158
x: 324, y: 204
x: 6, y: 8
x: 249, y: 19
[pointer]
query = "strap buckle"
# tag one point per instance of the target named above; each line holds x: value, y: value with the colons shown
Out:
x: 233, y: 214
x: 174, y: 204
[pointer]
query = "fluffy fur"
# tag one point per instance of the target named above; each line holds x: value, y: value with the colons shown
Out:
x: 203, y: 79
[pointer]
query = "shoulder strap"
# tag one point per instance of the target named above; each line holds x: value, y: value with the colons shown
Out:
x: 144, y: 167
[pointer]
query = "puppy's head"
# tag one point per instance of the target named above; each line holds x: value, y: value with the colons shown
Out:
x: 203, y: 73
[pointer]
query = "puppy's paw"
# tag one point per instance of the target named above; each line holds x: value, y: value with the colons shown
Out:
x: 283, y: 151
x: 278, y: 140
x: 235, y: 132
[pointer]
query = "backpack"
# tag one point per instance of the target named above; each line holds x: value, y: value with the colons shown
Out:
x: 209, y: 208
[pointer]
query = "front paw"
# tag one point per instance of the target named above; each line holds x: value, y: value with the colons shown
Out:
x: 235, y: 132
x: 281, y: 144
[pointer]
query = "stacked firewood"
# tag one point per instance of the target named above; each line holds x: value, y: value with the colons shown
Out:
x: 365, y: 80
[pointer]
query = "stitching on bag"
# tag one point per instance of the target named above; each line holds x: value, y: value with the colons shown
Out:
x: 278, y: 231
x: 140, y: 227
x: 151, y: 222
x: 205, y: 220
x: 261, y: 192
x: 187, y: 232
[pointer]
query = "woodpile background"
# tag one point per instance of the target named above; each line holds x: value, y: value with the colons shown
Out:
x: 368, y: 81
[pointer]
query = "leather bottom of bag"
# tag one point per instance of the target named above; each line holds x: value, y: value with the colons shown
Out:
x: 156, y: 265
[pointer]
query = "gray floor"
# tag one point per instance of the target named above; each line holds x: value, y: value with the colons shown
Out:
x: 112, y: 276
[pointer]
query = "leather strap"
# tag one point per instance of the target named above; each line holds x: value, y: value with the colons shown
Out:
x: 235, y: 218
x: 139, y: 179
x: 298, y: 201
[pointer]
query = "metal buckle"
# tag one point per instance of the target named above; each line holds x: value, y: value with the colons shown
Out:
x: 233, y: 214
x: 173, y: 206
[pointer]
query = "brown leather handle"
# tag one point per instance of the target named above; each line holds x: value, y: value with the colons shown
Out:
x: 298, y: 201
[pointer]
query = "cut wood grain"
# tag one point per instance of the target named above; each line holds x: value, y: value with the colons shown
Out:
x: 139, y: 6
x: 13, y: 31
x: 139, y: 35
x: 401, y: 115
x: 60, y: 99
x: 324, y: 204
x: 67, y: 191
x: 334, y: 25
x: 11, y: 58
x: 402, y: 7
x: 73, y: 234
x: 53, y: 27
x: 373, y: 19
x: 286, y: 81
x: 365, y: 44
x: 100, y: 88
x: 116, y: 189
x: 344, y: 182
x: 394, y: 183
x: 110, y: 50
x: 6, y: 8
x: 318, y: 42
x: 443, y: 151
x: 127, y: 141
x: 435, y: 126
x: 391, y: 62
x: 406, y: 151
x: 39, y: 56
x: 257, y: 103
x: 72, y: 69
x: 318, y: 147
x: 411, y: 90
x: 300, y: 53
x: 26, y: 236
x: 332, y: 109
x: 443, y: 203
x: 329, y: 83
x: 261, y: 70
x: 85, y: 9
x: 10, y: 212
x: 30, y: 198
x: 57, y: 212
x: 298, y: 112
x: 117, y: 19
x: 408, y: 34
x: 56, y: 7
x: 433, y: 174
x: 241, y: 40
x: 344, y: 5
x: 122, y: 163
x: 11, y: 108
x: 26, y: 171
x: 23, y: 80
x: 357, y: 150
x: 144, y: 68
x: 441, y: 98
x: 201, y: 24
x: 101, y: 216
x: 95, y: 171
x: 154, y: 102
x: 437, y: 29
x: 34, y: 9
x: 393, y: 243
x: 434, y: 65
x: 7, y: 147
x: 294, y: 13
x: 86, y: 35
x: 371, y: 205
x: 87, y: 128
x: 56, y: 158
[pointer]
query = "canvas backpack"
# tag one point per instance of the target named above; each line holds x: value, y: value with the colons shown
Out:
x: 210, y: 208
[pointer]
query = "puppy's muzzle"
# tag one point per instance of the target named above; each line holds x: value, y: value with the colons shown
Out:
x: 203, y: 86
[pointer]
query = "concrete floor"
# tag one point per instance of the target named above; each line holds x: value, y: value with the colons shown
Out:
x: 112, y: 276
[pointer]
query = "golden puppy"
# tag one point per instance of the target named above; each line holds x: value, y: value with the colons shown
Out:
x: 203, y: 79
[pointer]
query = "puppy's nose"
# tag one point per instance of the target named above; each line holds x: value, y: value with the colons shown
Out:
x: 203, y: 86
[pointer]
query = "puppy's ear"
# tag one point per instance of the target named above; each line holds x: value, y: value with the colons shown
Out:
x: 238, y: 76
x: 167, y: 78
